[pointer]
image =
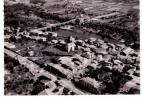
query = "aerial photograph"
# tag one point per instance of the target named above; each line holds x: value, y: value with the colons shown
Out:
x: 71, y: 47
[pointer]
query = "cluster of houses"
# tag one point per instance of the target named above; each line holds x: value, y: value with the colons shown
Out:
x: 97, y: 54
x: 94, y: 52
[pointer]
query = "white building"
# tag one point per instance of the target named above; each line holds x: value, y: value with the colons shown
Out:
x: 70, y: 47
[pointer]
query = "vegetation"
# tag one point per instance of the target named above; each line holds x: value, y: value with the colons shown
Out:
x: 19, y: 80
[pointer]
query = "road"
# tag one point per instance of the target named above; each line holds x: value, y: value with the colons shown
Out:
x: 37, y: 71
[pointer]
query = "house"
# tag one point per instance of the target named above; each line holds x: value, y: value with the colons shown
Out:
x: 87, y: 55
x: 101, y: 51
x: 9, y: 45
x: 99, y: 58
x: 80, y: 42
x: 35, y: 32
x: 52, y: 34
x: 127, y: 50
x: 31, y: 53
x: 91, y: 40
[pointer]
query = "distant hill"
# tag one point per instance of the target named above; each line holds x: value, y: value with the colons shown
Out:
x: 123, y: 1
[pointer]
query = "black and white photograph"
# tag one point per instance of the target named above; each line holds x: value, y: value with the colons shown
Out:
x: 71, y: 47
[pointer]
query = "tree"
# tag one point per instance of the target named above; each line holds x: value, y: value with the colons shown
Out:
x: 38, y: 1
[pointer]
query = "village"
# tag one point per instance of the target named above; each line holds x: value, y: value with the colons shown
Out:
x: 68, y: 58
